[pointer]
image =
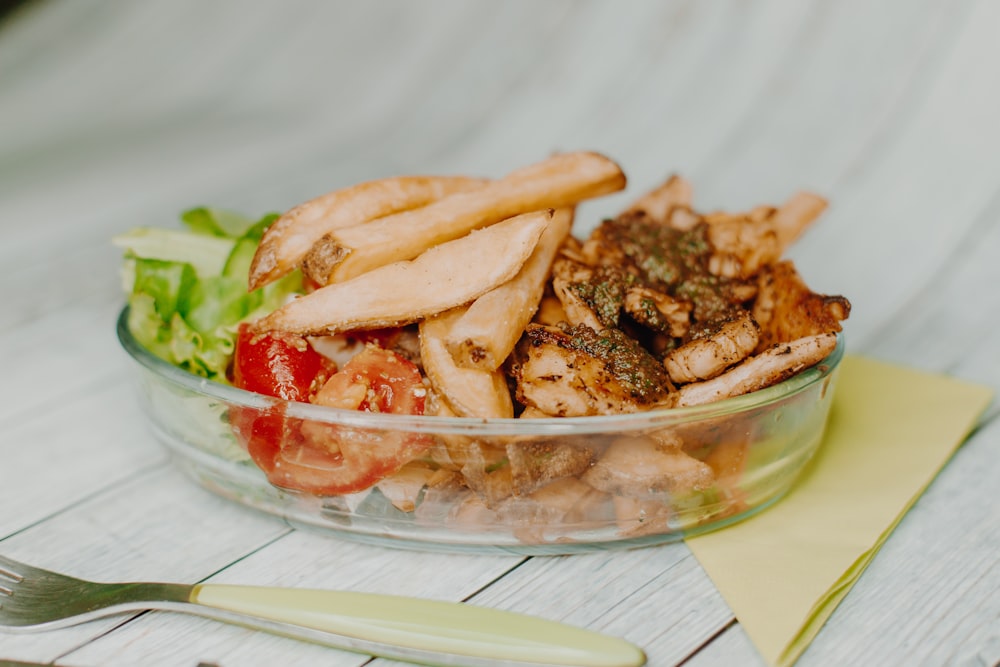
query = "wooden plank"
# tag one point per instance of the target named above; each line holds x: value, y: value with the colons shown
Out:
x: 659, y: 598
x: 61, y: 454
x: 155, y: 525
x: 941, y: 561
x: 730, y: 647
x: 50, y: 362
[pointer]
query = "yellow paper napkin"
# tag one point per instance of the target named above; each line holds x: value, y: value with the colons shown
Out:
x: 784, y: 571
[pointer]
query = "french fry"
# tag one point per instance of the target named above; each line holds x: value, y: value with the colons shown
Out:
x: 792, y: 218
x: 559, y: 181
x: 290, y: 237
x: 471, y: 392
x: 658, y: 202
x: 447, y: 275
x: 486, y: 332
x: 762, y: 370
x: 550, y: 311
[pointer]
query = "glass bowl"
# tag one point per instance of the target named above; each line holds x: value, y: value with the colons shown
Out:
x: 530, y: 486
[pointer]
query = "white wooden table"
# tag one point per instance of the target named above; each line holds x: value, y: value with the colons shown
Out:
x: 117, y: 113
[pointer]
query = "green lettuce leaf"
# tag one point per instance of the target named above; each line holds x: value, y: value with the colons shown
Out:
x: 187, y: 289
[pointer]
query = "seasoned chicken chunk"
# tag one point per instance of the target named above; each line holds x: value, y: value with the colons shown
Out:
x: 639, y: 467
x: 658, y: 311
x: 520, y: 468
x: 566, y: 275
x: 535, y: 464
x: 741, y: 246
x: 576, y: 371
x: 590, y: 295
x: 786, y: 309
x: 713, y: 347
x: 668, y: 260
x: 775, y: 364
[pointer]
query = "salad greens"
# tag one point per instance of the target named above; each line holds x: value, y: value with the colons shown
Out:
x: 188, y: 287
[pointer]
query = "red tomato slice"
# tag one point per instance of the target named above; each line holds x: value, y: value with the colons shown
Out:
x: 319, y: 458
x: 330, y: 459
x: 277, y: 364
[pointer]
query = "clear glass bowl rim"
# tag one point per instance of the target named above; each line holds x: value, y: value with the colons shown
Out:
x: 473, y: 427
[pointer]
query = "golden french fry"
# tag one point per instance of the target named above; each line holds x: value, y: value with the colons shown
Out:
x: 447, y: 275
x: 487, y: 331
x: 559, y: 181
x: 550, y: 311
x: 792, y: 218
x: 471, y: 392
x: 290, y: 237
x: 658, y: 202
x: 774, y: 365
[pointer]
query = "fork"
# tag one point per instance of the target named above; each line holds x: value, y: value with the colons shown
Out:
x: 402, y: 628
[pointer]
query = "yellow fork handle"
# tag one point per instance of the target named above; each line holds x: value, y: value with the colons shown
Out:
x: 426, y: 627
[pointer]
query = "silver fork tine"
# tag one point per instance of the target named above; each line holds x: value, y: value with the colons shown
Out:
x: 32, y: 597
x: 6, y: 572
x: 8, y: 578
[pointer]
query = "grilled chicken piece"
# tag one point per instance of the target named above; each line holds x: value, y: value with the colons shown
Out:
x: 487, y: 472
x: 713, y: 347
x: 535, y: 464
x: 567, y: 273
x: 786, y: 309
x: 590, y: 295
x: 565, y: 505
x: 577, y: 371
x: 741, y: 246
x: 639, y: 467
x: 668, y: 260
x: 658, y: 311
x: 772, y: 366
x: 497, y: 474
x: 683, y: 218
x: 403, y: 488
x: 637, y: 517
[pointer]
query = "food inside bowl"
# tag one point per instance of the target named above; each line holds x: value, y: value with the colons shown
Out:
x: 471, y: 301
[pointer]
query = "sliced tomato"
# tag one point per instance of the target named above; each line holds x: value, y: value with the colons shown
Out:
x: 330, y: 459
x: 319, y: 458
x: 391, y: 382
x: 278, y: 364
